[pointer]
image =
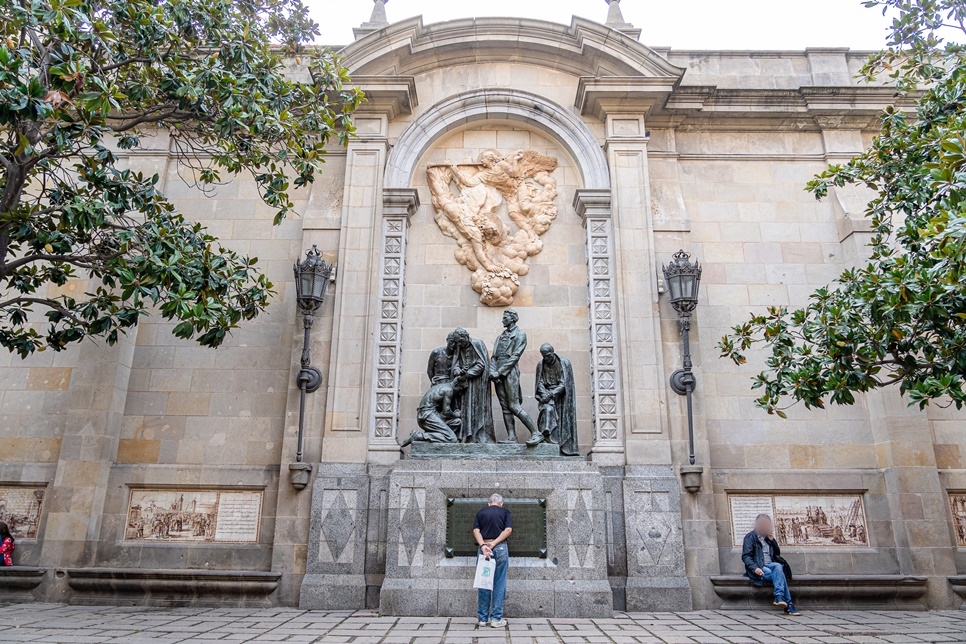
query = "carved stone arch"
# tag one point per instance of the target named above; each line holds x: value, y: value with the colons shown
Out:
x: 592, y: 203
x: 504, y: 105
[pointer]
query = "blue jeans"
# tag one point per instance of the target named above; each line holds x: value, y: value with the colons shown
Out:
x: 776, y: 575
x: 489, y: 604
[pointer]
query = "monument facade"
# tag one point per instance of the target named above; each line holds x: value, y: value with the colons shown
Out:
x: 500, y: 165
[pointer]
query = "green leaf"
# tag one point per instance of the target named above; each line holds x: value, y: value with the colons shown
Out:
x: 117, y: 72
x: 897, y: 319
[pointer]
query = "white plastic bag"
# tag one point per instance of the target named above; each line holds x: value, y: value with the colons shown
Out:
x: 485, y: 569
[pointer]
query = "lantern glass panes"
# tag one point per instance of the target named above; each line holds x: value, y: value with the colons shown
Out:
x: 311, y: 278
x: 683, y: 279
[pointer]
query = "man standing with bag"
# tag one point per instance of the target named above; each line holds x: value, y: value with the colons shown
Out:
x: 491, y: 528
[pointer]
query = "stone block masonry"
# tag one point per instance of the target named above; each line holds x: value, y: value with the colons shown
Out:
x: 657, y: 150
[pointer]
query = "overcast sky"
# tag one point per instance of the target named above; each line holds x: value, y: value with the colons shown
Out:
x: 682, y: 24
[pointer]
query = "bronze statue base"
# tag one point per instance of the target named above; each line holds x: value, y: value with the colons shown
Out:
x: 485, y: 451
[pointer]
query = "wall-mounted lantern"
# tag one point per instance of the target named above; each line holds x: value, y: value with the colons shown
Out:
x: 312, y: 276
x: 683, y: 279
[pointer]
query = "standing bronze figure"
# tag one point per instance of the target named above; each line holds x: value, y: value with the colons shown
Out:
x: 441, y: 360
x: 505, y: 375
x: 471, y: 380
x: 554, y: 391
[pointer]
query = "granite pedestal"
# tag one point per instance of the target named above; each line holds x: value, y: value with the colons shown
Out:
x: 571, y: 582
x: 378, y: 537
x: 335, y: 576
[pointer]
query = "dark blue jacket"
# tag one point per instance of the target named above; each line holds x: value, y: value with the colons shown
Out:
x: 753, y: 556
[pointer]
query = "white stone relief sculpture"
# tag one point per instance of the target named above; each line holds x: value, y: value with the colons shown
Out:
x: 471, y: 214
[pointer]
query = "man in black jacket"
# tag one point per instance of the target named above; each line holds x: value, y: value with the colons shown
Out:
x: 763, y: 561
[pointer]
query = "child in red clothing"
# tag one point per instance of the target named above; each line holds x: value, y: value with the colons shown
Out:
x: 7, y: 545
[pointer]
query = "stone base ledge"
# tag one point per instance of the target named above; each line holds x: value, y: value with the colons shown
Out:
x: 828, y: 591
x: 157, y: 587
x: 524, y: 598
x: 18, y: 582
x: 958, y: 584
x: 657, y: 594
x: 333, y: 592
x: 20, y: 577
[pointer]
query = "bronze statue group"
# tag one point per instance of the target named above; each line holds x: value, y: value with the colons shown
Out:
x: 458, y: 406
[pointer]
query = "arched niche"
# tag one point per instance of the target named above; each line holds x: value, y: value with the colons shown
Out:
x: 493, y: 104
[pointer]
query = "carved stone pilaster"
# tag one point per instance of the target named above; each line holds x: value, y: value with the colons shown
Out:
x: 398, y: 205
x: 593, y: 206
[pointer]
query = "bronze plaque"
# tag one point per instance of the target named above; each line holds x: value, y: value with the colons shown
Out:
x: 529, y: 538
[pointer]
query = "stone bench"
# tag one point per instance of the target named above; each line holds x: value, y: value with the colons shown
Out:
x: 18, y: 582
x: 156, y: 587
x: 958, y: 584
x: 828, y: 591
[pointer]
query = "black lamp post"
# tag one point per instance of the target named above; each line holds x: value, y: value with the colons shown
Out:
x: 683, y: 279
x: 312, y: 276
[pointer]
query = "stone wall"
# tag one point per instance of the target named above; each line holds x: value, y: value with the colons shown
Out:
x: 657, y: 151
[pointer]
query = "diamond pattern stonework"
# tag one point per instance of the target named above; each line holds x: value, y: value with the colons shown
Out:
x: 411, y: 526
x: 337, y: 526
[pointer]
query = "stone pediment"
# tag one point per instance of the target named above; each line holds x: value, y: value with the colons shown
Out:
x: 583, y: 48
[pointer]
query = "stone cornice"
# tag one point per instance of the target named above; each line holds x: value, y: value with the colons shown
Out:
x: 612, y: 94
x: 590, y: 204
x: 390, y: 95
x: 866, y: 99
x: 813, y: 101
x: 708, y: 107
x: 399, y: 202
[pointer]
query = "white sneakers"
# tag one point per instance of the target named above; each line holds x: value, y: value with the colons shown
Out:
x: 495, y: 624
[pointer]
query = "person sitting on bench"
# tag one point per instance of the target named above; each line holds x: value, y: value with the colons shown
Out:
x: 763, y: 562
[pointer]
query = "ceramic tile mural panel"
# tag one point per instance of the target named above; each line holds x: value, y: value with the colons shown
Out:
x: 744, y: 510
x: 803, y: 521
x: 957, y: 504
x: 193, y: 515
x: 20, y: 508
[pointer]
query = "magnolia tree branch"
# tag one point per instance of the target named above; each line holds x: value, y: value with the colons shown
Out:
x: 76, y: 81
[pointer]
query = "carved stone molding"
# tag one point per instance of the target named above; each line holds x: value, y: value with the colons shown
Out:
x: 398, y: 205
x: 582, y: 48
x: 393, y: 96
x: 594, y: 207
x: 557, y: 122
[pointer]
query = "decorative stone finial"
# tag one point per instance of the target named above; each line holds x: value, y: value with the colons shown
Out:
x: 376, y: 21
x: 615, y: 20
x: 378, y: 16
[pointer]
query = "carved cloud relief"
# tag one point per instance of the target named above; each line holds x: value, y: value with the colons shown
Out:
x: 468, y: 199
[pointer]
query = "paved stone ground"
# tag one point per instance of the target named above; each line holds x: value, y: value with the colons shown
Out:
x: 130, y: 625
